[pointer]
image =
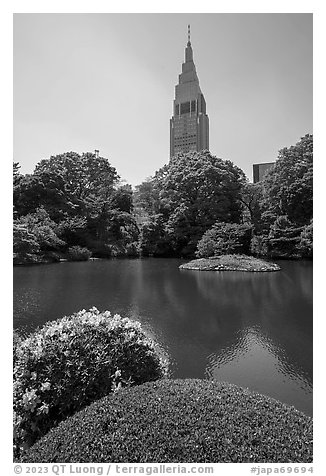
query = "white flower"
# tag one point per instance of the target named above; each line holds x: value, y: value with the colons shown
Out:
x: 45, y: 386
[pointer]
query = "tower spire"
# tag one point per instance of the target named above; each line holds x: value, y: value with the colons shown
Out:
x: 189, y: 125
x: 188, y: 55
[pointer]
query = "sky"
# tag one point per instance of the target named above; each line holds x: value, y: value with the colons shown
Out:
x: 86, y: 81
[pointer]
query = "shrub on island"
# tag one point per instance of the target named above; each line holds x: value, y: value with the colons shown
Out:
x: 71, y: 362
x: 194, y: 421
x: 223, y: 239
x: 78, y: 253
x: 231, y: 263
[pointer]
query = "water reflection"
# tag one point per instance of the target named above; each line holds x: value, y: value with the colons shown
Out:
x: 269, y: 370
x: 251, y: 329
x: 278, y: 304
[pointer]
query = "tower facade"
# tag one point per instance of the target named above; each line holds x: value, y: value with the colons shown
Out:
x: 259, y: 170
x: 189, y: 125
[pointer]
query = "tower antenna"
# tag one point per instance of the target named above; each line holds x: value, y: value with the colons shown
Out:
x: 188, y: 34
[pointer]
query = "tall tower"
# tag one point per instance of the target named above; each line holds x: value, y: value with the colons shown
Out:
x: 189, y: 124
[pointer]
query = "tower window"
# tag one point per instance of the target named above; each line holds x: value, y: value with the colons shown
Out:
x: 185, y: 107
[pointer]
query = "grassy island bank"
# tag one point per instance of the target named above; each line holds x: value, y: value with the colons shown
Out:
x: 231, y: 263
x: 200, y: 421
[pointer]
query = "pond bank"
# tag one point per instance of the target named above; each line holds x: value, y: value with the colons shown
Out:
x: 231, y: 263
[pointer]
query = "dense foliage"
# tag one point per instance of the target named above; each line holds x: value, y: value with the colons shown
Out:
x: 69, y: 363
x: 79, y: 201
x: 181, y: 208
x: 184, y: 199
x: 251, y: 198
x: 288, y: 186
x: 306, y: 240
x: 223, y: 239
x: 36, y: 236
x: 78, y: 253
x: 284, y: 238
x: 287, y: 201
x: 193, y: 421
x: 278, y: 210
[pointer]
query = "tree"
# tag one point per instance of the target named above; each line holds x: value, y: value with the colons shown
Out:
x: 258, y: 245
x: 43, y: 230
x: 16, y: 173
x: 82, y: 195
x: 287, y: 202
x: 153, y: 238
x: 306, y: 241
x: 288, y: 186
x: 251, y: 196
x: 73, y: 231
x: 85, y: 181
x: 47, y: 190
x: 25, y: 245
x: 224, y: 238
x: 147, y: 199
x: 284, y: 238
x: 191, y: 193
x: 122, y: 199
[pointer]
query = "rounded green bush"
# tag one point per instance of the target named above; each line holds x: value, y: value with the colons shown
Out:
x: 78, y: 253
x: 69, y: 363
x: 223, y: 239
x: 197, y: 421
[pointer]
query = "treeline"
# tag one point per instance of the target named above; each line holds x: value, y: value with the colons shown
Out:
x: 201, y: 205
x: 74, y: 206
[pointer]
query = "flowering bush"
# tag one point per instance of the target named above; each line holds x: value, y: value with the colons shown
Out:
x: 16, y: 341
x: 69, y: 363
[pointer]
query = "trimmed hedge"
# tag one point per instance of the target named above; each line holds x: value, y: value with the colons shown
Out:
x: 197, y: 421
x: 69, y: 363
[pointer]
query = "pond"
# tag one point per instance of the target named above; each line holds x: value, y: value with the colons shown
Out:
x: 250, y: 329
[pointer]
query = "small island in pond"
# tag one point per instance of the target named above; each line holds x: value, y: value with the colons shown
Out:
x: 230, y: 263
